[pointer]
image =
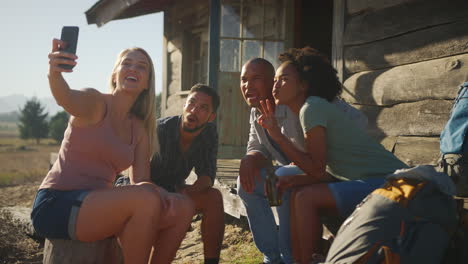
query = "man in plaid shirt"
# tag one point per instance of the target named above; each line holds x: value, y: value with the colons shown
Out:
x: 190, y: 141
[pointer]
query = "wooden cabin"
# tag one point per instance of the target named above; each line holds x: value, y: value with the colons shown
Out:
x: 401, y: 61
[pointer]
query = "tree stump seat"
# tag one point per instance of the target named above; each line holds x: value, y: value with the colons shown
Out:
x: 59, y: 251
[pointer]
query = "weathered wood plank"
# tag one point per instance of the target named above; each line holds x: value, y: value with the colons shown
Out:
x: 231, y: 151
x: 165, y: 71
x: 397, y: 20
x: 434, y: 79
x: 233, y: 114
x: 427, y: 44
x: 337, y: 37
x: 175, y: 104
x: 178, y: 13
x: 175, y: 63
x: 423, y: 118
x: 59, y: 251
x: 226, y: 177
x: 228, y: 170
x: 232, y: 202
x: 414, y: 150
x: 361, y: 6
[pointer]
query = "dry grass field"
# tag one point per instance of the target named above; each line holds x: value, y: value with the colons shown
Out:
x: 23, y: 164
x: 8, y: 129
x: 24, y: 161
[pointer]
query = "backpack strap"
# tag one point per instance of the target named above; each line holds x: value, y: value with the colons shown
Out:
x: 400, y: 190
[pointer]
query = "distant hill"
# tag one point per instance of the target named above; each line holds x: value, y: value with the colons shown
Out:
x: 14, y: 102
x: 12, y: 117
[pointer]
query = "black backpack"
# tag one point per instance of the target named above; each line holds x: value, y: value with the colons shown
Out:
x: 410, y: 219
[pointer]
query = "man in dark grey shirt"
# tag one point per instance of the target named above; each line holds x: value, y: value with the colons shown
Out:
x: 172, y: 166
x: 191, y: 141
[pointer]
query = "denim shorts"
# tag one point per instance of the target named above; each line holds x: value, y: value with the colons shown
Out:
x: 347, y: 194
x: 55, y: 212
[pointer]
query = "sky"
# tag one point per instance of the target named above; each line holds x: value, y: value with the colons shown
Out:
x: 27, y: 28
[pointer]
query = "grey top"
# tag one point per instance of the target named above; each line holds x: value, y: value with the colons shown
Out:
x: 291, y: 128
x: 351, y: 153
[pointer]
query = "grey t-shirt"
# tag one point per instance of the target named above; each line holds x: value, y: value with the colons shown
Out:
x: 351, y: 153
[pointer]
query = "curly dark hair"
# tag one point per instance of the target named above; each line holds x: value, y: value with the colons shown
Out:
x: 314, y: 68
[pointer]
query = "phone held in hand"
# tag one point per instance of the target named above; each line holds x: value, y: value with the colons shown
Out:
x: 70, y: 37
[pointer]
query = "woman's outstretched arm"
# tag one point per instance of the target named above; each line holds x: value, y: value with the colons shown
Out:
x: 87, y: 104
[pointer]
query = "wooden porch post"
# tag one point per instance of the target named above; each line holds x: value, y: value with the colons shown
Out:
x: 214, y: 43
x: 337, y: 36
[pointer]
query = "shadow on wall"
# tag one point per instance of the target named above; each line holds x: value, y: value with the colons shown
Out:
x: 378, y: 41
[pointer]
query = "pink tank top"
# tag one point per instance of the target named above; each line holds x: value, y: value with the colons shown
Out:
x: 90, y: 157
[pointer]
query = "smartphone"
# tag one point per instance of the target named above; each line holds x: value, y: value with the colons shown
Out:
x: 70, y: 37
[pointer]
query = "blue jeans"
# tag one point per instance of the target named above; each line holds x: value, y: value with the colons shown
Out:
x: 273, y: 242
x: 453, y: 138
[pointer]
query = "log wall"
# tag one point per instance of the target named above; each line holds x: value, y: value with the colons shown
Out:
x: 360, y: 6
x: 179, y: 22
x: 403, y: 63
x: 434, y: 79
x: 421, y: 118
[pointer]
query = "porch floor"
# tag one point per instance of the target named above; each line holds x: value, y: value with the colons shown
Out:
x: 226, y: 181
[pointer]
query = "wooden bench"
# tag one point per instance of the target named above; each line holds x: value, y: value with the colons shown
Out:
x: 58, y: 251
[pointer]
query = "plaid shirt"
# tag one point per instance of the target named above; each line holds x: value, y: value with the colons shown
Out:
x: 170, y: 169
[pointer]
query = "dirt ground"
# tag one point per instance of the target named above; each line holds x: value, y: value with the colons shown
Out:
x: 17, y: 248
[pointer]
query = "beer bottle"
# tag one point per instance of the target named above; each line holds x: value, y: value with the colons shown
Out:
x: 274, y: 199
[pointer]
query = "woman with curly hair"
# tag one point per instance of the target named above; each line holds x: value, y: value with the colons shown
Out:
x: 340, y: 163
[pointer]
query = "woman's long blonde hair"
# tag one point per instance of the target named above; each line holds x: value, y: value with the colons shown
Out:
x: 144, y: 107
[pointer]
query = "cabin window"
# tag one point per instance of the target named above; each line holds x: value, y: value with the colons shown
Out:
x: 249, y: 29
x: 195, y: 66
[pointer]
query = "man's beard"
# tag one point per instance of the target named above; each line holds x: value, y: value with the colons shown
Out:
x: 193, y: 130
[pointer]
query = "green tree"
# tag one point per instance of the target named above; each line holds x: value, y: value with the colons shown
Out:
x: 32, y: 121
x: 57, y: 125
x: 158, y: 105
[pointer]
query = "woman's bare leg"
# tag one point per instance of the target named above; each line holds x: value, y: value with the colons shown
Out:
x: 294, y: 239
x: 174, y: 224
x: 308, y: 203
x: 131, y: 212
